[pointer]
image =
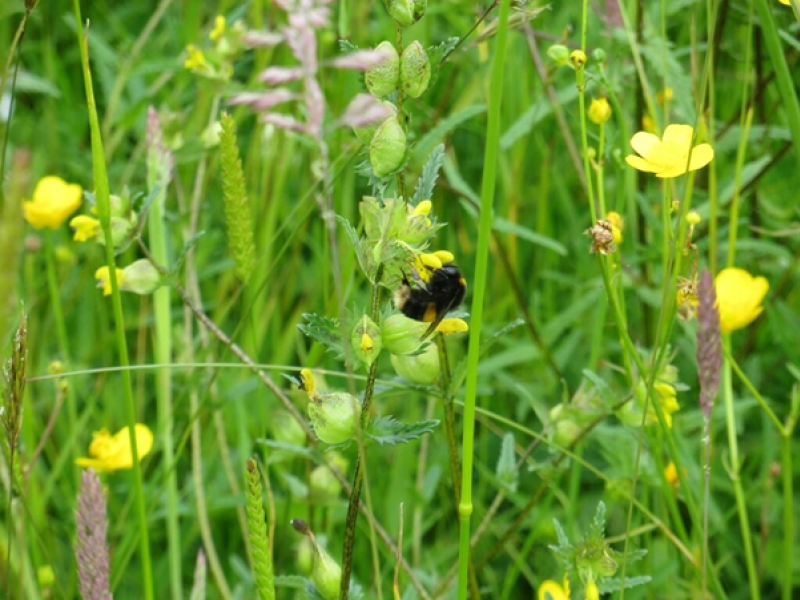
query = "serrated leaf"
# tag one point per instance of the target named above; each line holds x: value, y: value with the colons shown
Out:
x: 360, y: 246
x: 430, y: 173
x: 439, y: 53
x: 597, y: 530
x: 388, y: 431
x: 324, y: 330
x: 563, y: 540
x: 507, y: 472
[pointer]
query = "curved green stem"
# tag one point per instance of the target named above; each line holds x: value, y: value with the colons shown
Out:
x: 481, y: 272
x: 104, y: 213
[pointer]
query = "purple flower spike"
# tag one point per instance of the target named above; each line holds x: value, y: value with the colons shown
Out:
x: 709, y: 349
x: 92, y: 547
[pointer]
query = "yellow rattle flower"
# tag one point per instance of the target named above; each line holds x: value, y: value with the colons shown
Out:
x: 668, y: 156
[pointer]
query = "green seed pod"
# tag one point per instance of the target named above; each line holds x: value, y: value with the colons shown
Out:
x: 305, y: 556
x: 400, y: 335
x: 401, y: 11
x: 140, y: 277
x: 326, y: 574
x: 418, y: 368
x: 334, y: 416
x: 324, y: 485
x: 287, y: 430
x: 565, y: 429
x: 384, y: 79
x: 415, y: 70
x: 559, y: 54
x: 387, y: 150
x: 365, y: 134
x: 366, y: 340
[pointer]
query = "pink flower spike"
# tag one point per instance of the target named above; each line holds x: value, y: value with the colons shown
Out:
x: 280, y: 75
x: 361, y: 60
x: 284, y: 122
x: 262, y: 39
x: 364, y: 110
x: 263, y: 100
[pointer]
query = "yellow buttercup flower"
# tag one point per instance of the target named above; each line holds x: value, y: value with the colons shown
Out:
x: 669, y: 156
x: 113, y: 453
x: 552, y: 590
x: 54, y: 200
x: 219, y: 28
x: 739, y: 297
x: 453, y: 325
x: 196, y: 59
x: 85, y: 227
x: 599, y: 111
x: 617, y: 225
x: 671, y: 473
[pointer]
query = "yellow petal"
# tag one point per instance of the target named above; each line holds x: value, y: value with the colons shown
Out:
x: 701, y: 156
x: 680, y: 135
x: 739, y: 297
x: 644, y: 143
x: 641, y: 164
x: 448, y: 326
x: 550, y: 590
x: 423, y: 208
x: 444, y: 256
x: 85, y: 227
x: 431, y: 261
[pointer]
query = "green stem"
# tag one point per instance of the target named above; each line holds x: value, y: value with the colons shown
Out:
x: 481, y: 272
x: 733, y: 448
x: 104, y: 213
x: 601, y: 193
x: 358, y: 483
x: 580, y: 78
x: 788, y: 514
x: 401, y: 179
x: 163, y: 356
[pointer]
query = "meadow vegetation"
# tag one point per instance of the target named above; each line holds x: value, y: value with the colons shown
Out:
x: 234, y: 242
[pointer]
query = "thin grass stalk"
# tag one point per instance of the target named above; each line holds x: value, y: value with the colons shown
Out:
x: 787, y: 475
x: 158, y: 175
x: 481, y: 271
x: 734, y: 472
x: 104, y: 213
x: 580, y: 78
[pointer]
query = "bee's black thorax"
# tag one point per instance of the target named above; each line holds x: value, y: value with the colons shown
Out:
x: 431, y: 300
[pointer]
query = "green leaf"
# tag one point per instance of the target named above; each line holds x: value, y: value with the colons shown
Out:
x: 607, y: 586
x: 507, y: 472
x: 388, y: 431
x: 200, y: 574
x: 186, y: 249
x: 426, y: 144
x: 430, y: 173
x: 360, y: 247
x: 324, y: 330
x: 597, y: 530
x: 291, y: 581
x: 439, y: 53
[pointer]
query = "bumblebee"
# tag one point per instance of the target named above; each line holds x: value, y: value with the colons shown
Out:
x: 429, y: 300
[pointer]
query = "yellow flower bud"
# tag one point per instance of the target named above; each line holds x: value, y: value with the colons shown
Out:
x: 366, y: 340
x: 693, y: 218
x: 599, y: 111
x: 219, y: 28
x: 578, y: 58
x: 423, y: 208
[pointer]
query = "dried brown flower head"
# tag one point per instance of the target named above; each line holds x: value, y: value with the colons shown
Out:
x: 602, y: 234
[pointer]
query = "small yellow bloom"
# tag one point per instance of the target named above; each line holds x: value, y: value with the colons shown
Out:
x: 367, y: 343
x: 617, y: 225
x: 739, y: 297
x: 448, y: 326
x: 551, y: 590
x: 196, y: 59
x: 664, y: 95
x: 85, y: 227
x: 648, y: 124
x: 423, y: 208
x: 307, y: 381
x: 786, y: 2
x: 669, y: 156
x: 430, y: 261
x: 671, y: 474
x: 444, y: 256
x: 599, y: 111
x: 104, y: 280
x: 693, y: 218
x: 54, y: 200
x: 668, y: 396
x: 219, y: 28
x: 592, y: 591
x: 113, y: 453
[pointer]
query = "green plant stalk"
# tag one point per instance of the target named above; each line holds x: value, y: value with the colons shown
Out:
x: 481, y: 270
x: 61, y: 334
x: 358, y: 482
x: 706, y: 497
x: 163, y: 356
x: 733, y: 448
x: 601, y: 192
x: 713, y: 214
x: 734, y: 214
x: 104, y: 213
x: 788, y: 512
x: 789, y: 101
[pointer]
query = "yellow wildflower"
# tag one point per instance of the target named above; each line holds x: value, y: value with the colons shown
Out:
x: 668, y: 156
x: 367, y: 343
x: 104, y: 279
x: 671, y: 474
x: 54, y: 200
x: 423, y: 208
x: 552, y: 590
x: 599, y: 111
x: 786, y: 2
x: 668, y: 396
x: 219, y: 28
x: 85, y: 227
x: 578, y: 58
x: 196, y: 59
x: 112, y: 453
x: 617, y: 225
x: 448, y: 326
x: 693, y: 217
x: 739, y: 297
x: 664, y: 95
x: 592, y: 591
